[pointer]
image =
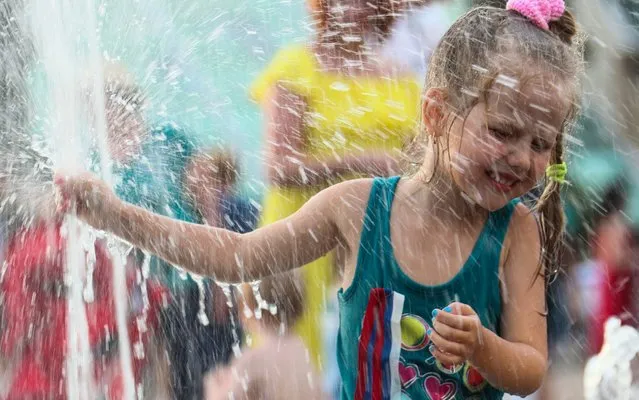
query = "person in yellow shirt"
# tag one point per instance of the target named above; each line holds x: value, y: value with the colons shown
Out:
x: 333, y: 111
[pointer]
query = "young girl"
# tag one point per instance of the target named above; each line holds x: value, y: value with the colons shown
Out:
x: 443, y: 286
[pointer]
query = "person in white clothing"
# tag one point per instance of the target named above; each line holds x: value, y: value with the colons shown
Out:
x: 415, y: 36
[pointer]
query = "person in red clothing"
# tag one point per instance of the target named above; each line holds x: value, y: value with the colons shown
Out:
x: 34, y: 316
x: 615, y: 247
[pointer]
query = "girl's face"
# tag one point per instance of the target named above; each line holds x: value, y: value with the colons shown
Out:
x: 503, y: 147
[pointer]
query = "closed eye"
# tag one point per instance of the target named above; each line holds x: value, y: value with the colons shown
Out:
x: 501, y: 134
x: 540, y: 145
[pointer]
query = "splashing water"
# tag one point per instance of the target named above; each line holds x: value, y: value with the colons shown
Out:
x: 79, y: 367
x: 226, y: 288
x: 614, y: 372
x: 66, y: 42
x: 201, y: 314
x: 261, y: 303
x: 120, y: 295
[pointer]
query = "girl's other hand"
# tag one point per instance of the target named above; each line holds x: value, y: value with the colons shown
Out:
x: 456, y: 334
x: 85, y: 195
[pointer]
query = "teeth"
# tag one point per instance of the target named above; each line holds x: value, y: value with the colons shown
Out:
x: 499, y: 179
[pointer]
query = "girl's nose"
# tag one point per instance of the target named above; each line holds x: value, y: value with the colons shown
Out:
x: 518, y: 156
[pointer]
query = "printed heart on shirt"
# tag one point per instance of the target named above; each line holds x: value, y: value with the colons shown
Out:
x: 408, y: 374
x: 449, y: 369
x: 438, y: 389
x: 473, y: 379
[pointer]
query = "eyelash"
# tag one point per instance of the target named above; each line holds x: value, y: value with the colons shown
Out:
x: 499, y: 134
x: 538, y: 145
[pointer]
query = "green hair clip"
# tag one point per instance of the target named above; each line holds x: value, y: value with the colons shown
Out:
x: 557, y: 172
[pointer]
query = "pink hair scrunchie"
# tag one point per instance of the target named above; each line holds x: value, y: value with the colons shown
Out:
x: 539, y: 12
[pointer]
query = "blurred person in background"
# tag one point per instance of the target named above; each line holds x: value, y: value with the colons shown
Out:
x: 211, y: 183
x: 602, y: 202
x: 155, y: 167
x: 333, y: 111
x: 35, y: 316
x: 614, y: 76
x: 35, y: 296
x: 275, y: 366
x: 150, y: 166
x: 20, y: 180
x: 615, y: 249
x: 415, y: 35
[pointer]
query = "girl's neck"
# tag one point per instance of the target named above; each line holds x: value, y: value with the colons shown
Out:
x: 440, y: 198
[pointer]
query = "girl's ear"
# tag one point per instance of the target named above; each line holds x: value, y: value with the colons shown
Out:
x: 433, y: 111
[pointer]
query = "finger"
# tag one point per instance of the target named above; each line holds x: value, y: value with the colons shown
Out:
x: 451, y: 334
x: 64, y: 181
x: 444, y: 345
x: 63, y: 206
x: 62, y: 200
x: 446, y: 358
x: 461, y: 309
x: 60, y: 185
x: 462, y: 322
x: 446, y: 316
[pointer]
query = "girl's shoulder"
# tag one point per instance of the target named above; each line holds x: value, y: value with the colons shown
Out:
x: 524, y: 220
x: 348, y: 202
x: 353, y: 192
x: 523, y: 238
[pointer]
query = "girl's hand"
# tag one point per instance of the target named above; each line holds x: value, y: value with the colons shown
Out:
x: 456, y: 334
x: 87, y: 195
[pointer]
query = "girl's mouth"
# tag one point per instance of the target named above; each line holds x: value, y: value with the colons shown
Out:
x: 502, y: 181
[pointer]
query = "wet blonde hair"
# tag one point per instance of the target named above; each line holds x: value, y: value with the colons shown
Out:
x: 465, y: 65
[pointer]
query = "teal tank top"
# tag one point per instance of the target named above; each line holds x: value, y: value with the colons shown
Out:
x: 382, y: 346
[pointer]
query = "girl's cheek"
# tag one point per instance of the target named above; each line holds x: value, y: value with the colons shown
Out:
x: 493, y: 151
x: 539, y: 168
x: 493, y: 146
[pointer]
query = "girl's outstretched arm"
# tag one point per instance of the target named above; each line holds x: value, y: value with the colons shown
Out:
x: 227, y: 256
x: 516, y: 362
